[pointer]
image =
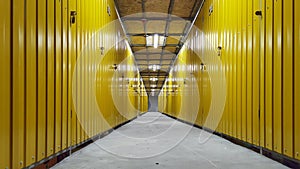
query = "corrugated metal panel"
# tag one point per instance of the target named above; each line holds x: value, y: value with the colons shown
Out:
x: 79, y: 71
x: 72, y: 121
x: 244, y: 71
x: 5, y: 85
x: 18, y: 86
x: 255, y: 76
x: 41, y: 116
x: 239, y: 71
x: 262, y: 76
x: 269, y: 74
x: 31, y: 82
x: 50, y: 77
x: 277, y: 81
x: 234, y: 68
x: 288, y: 78
x: 296, y: 78
x: 64, y: 74
x: 58, y: 76
x: 249, y: 71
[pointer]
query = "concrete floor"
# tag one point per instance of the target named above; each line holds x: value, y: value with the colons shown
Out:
x: 155, y: 141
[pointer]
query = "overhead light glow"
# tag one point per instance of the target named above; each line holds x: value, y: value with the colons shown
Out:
x: 154, y: 67
x: 153, y: 79
x: 153, y: 86
x: 149, y: 40
x: 155, y: 40
x: 162, y: 40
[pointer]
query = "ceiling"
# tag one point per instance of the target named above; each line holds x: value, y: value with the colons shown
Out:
x: 156, y: 30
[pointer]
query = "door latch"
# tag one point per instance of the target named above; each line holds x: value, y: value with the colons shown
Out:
x: 73, y: 17
x: 258, y: 13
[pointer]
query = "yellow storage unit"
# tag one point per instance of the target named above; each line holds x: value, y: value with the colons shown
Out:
x: 5, y: 85
x: 50, y: 77
x: 230, y: 76
x: 244, y: 70
x: 262, y: 65
x: 31, y: 82
x: 259, y: 42
x: 234, y: 68
x: 256, y: 70
x: 296, y: 79
x: 249, y: 71
x: 42, y: 75
x: 288, y: 78
x: 58, y: 76
x: 18, y: 90
x: 239, y: 72
x: 78, y: 72
x: 39, y: 51
x: 269, y: 75
x: 65, y: 45
x: 277, y: 81
x: 72, y: 41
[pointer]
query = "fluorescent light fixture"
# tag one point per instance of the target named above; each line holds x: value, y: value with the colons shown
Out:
x: 155, y: 40
x: 153, y: 79
x: 149, y: 40
x: 154, y: 67
x: 153, y: 86
x: 162, y: 40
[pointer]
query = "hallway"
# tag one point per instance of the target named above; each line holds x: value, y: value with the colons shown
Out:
x: 181, y: 83
x: 150, y: 151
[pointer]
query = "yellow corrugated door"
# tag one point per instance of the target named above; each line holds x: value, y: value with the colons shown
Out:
x: 234, y: 70
x: 5, y: 85
x: 87, y: 23
x: 79, y: 81
x: 244, y: 70
x: 297, y: 78
x: 18, y: 85
x: 83, y: 42
x: 277, y: 88
x: 230, y: 58
x: 249, y: 71
x: 71, y: 63
x: 269, y: 75
x: 58, y: 76
x: 288, y: 78
x: 31, y: 76
x: 226, y: 55
x: 219, y: 28
x: 256, y: 68
x: 50, y: 77
x: 239, y: 71
x: 41, y: 61
x: 64, y: 74
x: 262, y: 76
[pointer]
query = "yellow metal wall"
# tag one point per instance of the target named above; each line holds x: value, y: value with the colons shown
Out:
x: 296, y: 73
x: 261, y: 63
x: 5, y: 85
x: 39, y: 49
